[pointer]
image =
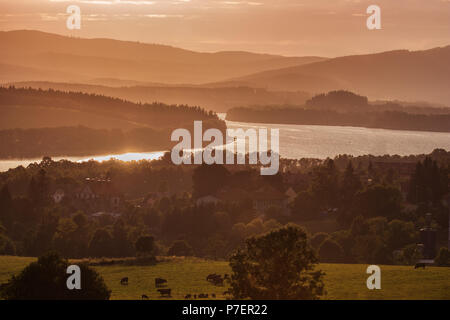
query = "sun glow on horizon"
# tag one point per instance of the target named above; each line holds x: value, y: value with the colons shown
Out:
x: 288, y: 27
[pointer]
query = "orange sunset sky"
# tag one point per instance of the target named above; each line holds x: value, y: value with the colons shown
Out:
x: 289, y: 27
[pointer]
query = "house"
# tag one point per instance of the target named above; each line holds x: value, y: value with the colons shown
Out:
x: 207, y: 200
x: 85, y: 193
x: 267, y: 197
x: 99, y: 194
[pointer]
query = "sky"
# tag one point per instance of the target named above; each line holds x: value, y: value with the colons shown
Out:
x: 326, y: 28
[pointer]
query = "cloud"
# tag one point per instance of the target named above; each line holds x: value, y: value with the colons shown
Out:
x: 162, y: 16
x: 109, y: 2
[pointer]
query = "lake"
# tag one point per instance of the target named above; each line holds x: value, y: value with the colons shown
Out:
x: 308, y: 141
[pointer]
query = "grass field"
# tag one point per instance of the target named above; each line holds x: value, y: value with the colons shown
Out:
x: 342, y: 281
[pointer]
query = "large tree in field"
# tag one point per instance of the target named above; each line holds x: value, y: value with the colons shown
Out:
x: 46, y: 279
x: 276, y: 265
x: 145, y: 246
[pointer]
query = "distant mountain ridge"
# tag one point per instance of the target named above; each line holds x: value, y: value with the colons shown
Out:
x: 393, y: 75
x: 50, y: 57
x: 401, y: 74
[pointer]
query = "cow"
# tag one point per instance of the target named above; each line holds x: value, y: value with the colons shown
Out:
x: 188, y: 296
x: 165, y: 292
x: 419, y: 265
x: 215, y: 279
x: 203, y: 296
x: 218, y: 281
x: 159, y: 282
x: 195, y: 296
x: 124, y: 281
x: 213, y: 295
x: 144, y: 297
x: 212, y: 276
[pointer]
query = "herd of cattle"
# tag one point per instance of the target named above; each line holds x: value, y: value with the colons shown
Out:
x: 160, y: 283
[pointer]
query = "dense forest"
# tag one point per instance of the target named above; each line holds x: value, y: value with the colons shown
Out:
x: 218, y: 99
x: 38, y: 122
x: 80, y: 141
x: 153, y: 115
x: 373, y: 211
x: 342, y: 108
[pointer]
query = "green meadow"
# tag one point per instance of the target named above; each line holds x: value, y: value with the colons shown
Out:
x: 342, y: 281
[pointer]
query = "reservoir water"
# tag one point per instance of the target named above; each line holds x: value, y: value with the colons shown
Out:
x: 308, y: 141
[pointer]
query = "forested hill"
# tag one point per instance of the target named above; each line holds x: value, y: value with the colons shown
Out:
x: 218, y: 99
x: 343, y: 108
x: 35, y: 108
x: 393, y: 120
x: 37, y: 123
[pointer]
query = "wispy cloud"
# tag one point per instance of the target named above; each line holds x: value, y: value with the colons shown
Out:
x: 162, y: 16
x: 109, y: 2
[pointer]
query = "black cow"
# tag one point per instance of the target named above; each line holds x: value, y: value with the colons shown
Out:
x: 215, y: 279
x: 419, y: 265
x: 159, y: 282
x: 212, y: 276
x: 218, y: 281
x: 144, y: 297
x: 188, y: 296
x: 124, y: 281
x: 165, y: 292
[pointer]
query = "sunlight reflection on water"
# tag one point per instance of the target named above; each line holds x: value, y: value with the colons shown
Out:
x: 308, y: 141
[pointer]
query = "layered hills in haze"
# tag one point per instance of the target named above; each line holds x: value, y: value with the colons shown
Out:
x: 35, y: 55
x: 218, y: 99
x: 38, y: 56
x: 405, y: 75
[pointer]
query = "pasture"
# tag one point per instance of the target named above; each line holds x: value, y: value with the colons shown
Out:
x: 342, y: 281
